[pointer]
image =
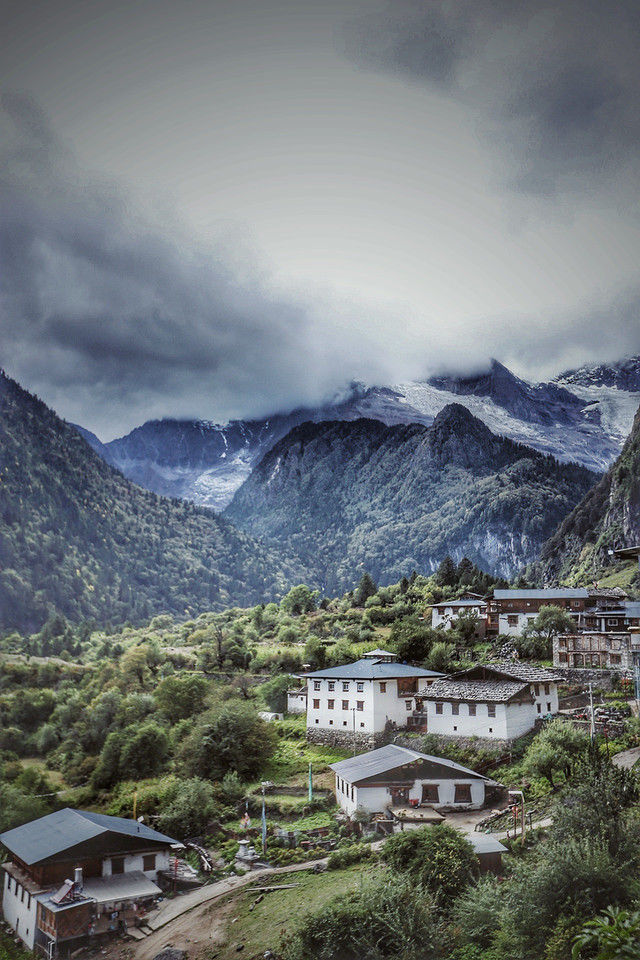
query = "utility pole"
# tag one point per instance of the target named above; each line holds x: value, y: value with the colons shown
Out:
x: 593, y: 723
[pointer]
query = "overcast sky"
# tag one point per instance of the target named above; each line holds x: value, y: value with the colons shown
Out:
x: 219, y: 209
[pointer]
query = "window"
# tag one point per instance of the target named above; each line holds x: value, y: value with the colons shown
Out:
x: 512, y: 620
x: 344, y: 723
x: 332, y: 685
x: 383, y: 688
x: 472, y: 709
x: 330, y: 723
x: 408, y: 705
x: 316, y: 684
x: 462, y: 793
x: 330, y: 704
x: 491, y: 709
x: 317, y: 721
x: 149, y: 861
x: 362, y: 724
x: 612, y: 622
x: 615, y: 658
x: 490, y: 729
x: 345, y: 686
x: 546, y: 689
x: 438, y: 708
x: 345, y: 704
x: 360, y: 704
x: 536, y: 689
x: 455, y: 709
x: 548, y: 707
x: 430, y: 793
x: 316, y: 704
x: 117, y: 864
x: 360, y: 687
x: 539, y: 706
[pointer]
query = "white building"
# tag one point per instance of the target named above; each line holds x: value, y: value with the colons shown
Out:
x: 511, y: 610
x: 495, y: 702
x: 70, y: 871
x: 445, y: 614
x: 297, y: 701
x: 393, y: 776
x: 360, y: 699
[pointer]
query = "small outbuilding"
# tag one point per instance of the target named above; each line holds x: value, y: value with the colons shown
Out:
x: 489, y: 852
x: 397, y: 777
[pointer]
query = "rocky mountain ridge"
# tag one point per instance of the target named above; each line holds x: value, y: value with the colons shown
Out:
x: 207, y: 462
x: 348, y: 496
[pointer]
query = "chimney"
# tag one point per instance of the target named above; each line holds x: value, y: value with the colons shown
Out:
x: 77, y: 879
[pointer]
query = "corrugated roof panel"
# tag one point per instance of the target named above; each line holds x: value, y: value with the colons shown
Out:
x: 388, y: 758
x: 553, y: 593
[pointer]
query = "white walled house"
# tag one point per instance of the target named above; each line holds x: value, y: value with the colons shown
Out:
x: 394, y: 776
x: 511, y: 610
x: 359, y: 700
x: 70, y: 871
x: 445, y: 614
x: 493, y: 701
x: 297, y: 701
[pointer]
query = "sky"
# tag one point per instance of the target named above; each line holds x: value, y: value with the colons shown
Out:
x: 225, y: 209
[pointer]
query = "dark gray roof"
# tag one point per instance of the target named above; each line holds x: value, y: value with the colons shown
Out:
x: 525, y: 671
x: 388, y: 758
x: 487, y: 691
x: 555, y: 593
x: 484, y: 843
x: 367, y: 669
x: 461, y: 603
x: 59, y: 831
x: 630, y: 608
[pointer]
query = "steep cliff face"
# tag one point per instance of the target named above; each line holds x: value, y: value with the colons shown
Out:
x: 607, y: 518
x: 348, y: 496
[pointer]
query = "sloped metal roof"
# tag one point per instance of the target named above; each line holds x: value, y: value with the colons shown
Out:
x: 461, y: 603
x: 552, y: 593
x: 367, y: 669
x: 485, y: 843
x: 121, y: 886
x: 388, y: 758
x: 59, y: 831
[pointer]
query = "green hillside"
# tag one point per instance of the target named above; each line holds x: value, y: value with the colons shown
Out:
x: 361, y: 495
x: 78, y: 538
x: 607, y: 518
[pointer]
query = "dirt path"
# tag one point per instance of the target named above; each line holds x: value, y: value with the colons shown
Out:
x: 190, y: 922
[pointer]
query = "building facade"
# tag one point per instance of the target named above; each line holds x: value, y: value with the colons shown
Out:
x: 598, y: 649
x: 509, y: 612
x: 394, y: 776
x: 446, y: 614
x: 74, y: 874
x: 363, y: 700
x: 492, y: 701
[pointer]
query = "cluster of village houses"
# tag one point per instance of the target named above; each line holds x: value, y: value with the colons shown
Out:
x: 74, y: 874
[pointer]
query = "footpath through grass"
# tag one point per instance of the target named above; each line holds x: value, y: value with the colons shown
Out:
x: 278, y: 913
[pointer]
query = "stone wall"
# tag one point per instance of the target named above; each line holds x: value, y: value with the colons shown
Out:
x: 346, y: 739
x: 601, y: 677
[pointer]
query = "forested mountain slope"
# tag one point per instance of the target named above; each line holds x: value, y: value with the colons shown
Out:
x: 361, y: 495
x: 77, y: 537
x: 607, y: 518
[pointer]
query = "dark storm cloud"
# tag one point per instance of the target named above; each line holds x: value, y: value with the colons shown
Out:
x: 555, y: 85
x: 97, y: 301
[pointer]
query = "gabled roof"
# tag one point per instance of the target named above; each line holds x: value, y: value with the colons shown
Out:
x: 522, y: 671
x: 369, y: 669
x: 461, y: 603
x: 551, y: 593
x: 390, y: 757
x: 51, y: 835
x: 478, y: 691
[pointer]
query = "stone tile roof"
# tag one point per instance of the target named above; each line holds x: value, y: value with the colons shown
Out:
x: 479, y: 691
x: 526, y: 671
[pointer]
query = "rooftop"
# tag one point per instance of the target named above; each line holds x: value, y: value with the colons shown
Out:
x: 59, y: 831
x: 475, y: 691
x: 370, y: 669
x: 525, y: 671
x: 484, y: 843
x: 550, y: 593
x: 379, y: 655
x: 388, y: 758
x: 461, y: 603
